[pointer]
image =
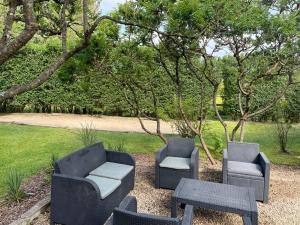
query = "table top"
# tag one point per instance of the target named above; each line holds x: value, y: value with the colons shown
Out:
x: 217, y: 196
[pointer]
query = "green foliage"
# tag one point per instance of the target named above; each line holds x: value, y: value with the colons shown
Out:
x: 96, y: 79
x: 282, y: 131
x: 183, y: 129
x: 118, y: 147
x: 88, y: 134
x: 230, y: 104
x: 292, y: 110
x: 13, y: 183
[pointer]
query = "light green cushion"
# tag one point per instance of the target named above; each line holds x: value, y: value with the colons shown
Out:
x: 112, y: 170
x: 176, y: 163
x: 106, y: 185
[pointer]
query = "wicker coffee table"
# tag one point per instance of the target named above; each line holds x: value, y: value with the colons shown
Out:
x: 216, y: 196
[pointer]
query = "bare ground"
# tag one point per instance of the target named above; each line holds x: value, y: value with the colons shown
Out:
x: 107, y: 123
x: 282, y: 209
x: 36, y: 187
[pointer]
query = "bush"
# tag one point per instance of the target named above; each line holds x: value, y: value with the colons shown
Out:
x: 183, y: 129
x: 88, y: 134
x: 13, y: 185
x: 282, y: 130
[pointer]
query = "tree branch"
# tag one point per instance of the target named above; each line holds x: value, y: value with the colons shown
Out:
x: 24, y: 37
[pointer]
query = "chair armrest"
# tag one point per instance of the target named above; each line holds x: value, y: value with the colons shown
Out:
x: 120, y: 157
x: 264, y: 163
x: 188, y: 215
x: 161, y: 154
x: 225, y: 165
x: 80, y: 190
x: 195, y: 162
x: 129, y: 203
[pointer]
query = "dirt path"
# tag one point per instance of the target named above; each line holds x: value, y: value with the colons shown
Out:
x: 108, y: 123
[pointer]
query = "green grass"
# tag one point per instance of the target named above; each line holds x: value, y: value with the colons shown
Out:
x: 29, y: 148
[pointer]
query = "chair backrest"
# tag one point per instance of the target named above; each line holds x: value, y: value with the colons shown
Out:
x: 180, y: 147
x: 124, y: 217
x: 81, y: 162
x: 243, y: 152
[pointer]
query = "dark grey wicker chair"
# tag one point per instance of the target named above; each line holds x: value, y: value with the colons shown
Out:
x: 126, y: 214
x: 80, y: 196
x: 245, y: 165
x: 178, y: 159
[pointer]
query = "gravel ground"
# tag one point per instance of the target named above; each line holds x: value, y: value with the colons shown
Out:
x: 283, y: 207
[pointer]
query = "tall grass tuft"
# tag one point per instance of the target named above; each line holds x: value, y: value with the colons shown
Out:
x: 13, y: 183
x: 50, y: 168
x: 88, y: 134
x: 120, y: 147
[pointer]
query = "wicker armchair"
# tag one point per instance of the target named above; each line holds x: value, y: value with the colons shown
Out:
x: 178, y: 159
x: 245, y: 165
x: 126, y: 214
x: 88, y: 184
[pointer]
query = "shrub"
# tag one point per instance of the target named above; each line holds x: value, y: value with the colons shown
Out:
x: 13, y: 185
x: 282, y: 130
x: 88, y: 134
x: 183, y: 129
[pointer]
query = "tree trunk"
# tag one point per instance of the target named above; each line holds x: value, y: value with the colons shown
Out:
x: 9, y: 49
x: 235, y: 129
x: 223, y: 123
x: 85, y: 15
x: 203, y: 143
x: 64, y: 27
x: 242, y: 132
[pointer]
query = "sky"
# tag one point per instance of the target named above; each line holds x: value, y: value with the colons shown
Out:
x: 109, y: 5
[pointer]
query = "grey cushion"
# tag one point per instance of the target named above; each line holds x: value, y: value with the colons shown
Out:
x: 176, y: 163
x: 106, y: 185
x: 112, y: 170
x: 251, y: 169
x: 243, y: 152
x: 180, y: 147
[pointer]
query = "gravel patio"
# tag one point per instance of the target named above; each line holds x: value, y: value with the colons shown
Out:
x: 283, y: 206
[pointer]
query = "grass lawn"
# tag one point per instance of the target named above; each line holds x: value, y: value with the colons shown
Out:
x: 29, y: 148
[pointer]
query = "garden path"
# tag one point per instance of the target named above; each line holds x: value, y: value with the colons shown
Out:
x: 107, y: 123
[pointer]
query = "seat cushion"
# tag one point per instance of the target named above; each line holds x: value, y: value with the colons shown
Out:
x: 112, y: 170
x: 106, y: 185
x: 176, y: 163
x: 251, y: 169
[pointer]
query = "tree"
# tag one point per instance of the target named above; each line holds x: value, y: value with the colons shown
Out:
x: 265, y: 48
x: 48, y: 18
x: 132, y: 69
x: 175, y: 18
